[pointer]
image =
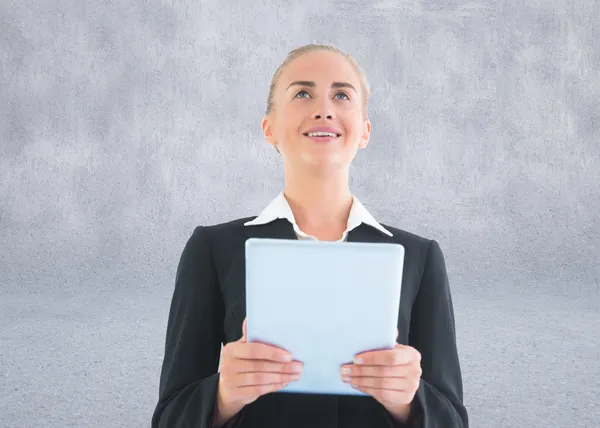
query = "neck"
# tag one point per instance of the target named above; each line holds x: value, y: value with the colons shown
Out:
x: 319, y: 202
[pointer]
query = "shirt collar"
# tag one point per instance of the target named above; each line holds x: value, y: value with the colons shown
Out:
x: 280, y: 208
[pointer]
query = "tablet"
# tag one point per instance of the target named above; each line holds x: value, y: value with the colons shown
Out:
x: 324, y: 302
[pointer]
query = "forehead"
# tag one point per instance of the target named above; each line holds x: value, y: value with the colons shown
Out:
x: 321, y: 68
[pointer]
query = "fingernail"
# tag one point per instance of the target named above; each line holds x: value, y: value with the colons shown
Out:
x: 297, y: 368
x: 296, y: 377
x: 346, y: 371
x: 358, y: 360
x: 286, y: 358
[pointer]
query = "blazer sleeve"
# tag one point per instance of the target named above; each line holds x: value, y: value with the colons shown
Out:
x: 189, y: 374
x: 439, y: 400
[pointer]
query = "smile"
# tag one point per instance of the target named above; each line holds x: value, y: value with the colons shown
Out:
x: 322, y: 135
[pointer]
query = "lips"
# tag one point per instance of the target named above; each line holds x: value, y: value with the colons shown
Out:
x: 322, y: 138
x: 324, y: 129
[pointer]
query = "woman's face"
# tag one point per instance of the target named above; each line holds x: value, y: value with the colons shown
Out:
x: 318, y: 89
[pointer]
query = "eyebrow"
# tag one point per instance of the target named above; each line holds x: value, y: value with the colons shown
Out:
x: 310, y: 84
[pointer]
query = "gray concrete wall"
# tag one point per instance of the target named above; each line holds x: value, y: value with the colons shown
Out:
x: 123, y: 125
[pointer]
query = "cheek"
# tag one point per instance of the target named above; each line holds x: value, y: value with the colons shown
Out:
x: 353, y: 126
x: 290, y: 123
x: 351, y: 118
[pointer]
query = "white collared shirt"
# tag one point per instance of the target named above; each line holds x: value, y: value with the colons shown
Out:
x: 280, y: 208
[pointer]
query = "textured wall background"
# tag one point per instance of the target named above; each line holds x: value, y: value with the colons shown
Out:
x: 125, y: 125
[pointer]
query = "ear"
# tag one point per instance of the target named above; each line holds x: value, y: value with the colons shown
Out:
x: 267, y: 127
x: 364, y: 139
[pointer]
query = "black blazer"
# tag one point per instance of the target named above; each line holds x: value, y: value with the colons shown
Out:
x: 208, y: 308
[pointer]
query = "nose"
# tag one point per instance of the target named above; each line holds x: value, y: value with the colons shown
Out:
x: 324, y: 109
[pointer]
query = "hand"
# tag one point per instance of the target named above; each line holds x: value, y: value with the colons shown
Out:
x: 391, y: 376
x: 248, y: 371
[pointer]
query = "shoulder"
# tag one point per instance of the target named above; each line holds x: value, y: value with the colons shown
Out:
x: 406, y: 235
x: 409, y: 239
x: 228, y: 226
x: 417, y: 246
x: 223, y: 234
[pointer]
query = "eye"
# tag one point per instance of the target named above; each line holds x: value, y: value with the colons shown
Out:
x: 301, y: 92
x: 305, y: 92
x: 342, y: 93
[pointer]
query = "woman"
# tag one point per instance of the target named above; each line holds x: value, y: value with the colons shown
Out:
x: 316, y: 119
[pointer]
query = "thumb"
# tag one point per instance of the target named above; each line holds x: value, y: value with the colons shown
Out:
x: 243, y: 339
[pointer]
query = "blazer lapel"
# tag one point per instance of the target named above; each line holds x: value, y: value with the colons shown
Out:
x: 366, y: 233
x: 277, y: 229
x: 283, y: 229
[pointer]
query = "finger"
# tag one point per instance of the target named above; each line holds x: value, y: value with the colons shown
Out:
x: 401, y: 354
x: 406, y: 371
x: 244, y: 333
x: 247, y: 366
x: 391, y: 383
x: 387, y: 395
x: 261, y: 351
x: 264, y: 378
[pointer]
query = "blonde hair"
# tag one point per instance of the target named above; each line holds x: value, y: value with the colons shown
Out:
x: 302, y: 50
